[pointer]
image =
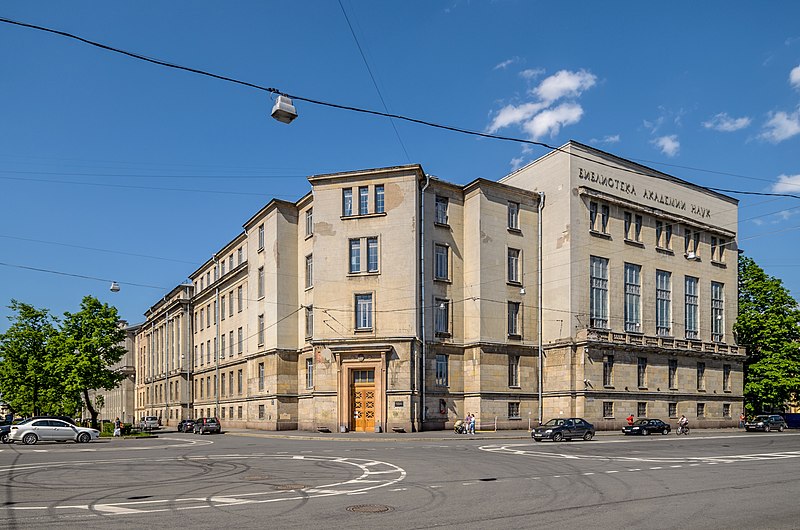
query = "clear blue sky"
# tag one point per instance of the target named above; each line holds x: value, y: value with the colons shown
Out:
x: 94, y: 145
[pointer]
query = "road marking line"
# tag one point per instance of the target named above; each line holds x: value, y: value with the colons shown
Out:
x: 110, y: 508
x: 588, y: 474
x: 612, y: 471
x: 657, y: 467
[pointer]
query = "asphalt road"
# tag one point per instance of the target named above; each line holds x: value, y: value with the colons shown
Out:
x: 244, y: 480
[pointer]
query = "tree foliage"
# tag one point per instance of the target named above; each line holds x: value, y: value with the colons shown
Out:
x: 769, y: 326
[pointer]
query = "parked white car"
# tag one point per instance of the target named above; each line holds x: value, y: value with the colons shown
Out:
x: 48, y: 430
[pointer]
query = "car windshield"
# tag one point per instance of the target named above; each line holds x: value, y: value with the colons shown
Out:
x: 641, y: 422
x: 761, y: 418
x: 553, y: 423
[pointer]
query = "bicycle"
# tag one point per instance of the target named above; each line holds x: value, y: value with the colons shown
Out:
x: 682, y: 429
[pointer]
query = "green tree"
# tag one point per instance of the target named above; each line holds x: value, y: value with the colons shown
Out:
x: 769, y: 326
x: 89, y: 343
x: 27, y: 381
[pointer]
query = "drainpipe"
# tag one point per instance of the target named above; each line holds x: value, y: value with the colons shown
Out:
x: 152, y: 390
x: 421, y: 412
x: 539, y: 317
x: 188, y: 352
x: 166, y: 359
x: 216, y: 339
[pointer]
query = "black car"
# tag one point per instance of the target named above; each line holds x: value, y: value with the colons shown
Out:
x: 559, y: 429
x: 206, y: 425
x: 645, y: 427
x: 765, y: 423
x: 186, y: 426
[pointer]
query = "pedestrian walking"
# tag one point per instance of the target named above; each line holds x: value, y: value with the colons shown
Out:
x: 466, y: 422
x: 630, y: 419
x: 471, y: 427
x: 117, y: 427
x: 741, y: 420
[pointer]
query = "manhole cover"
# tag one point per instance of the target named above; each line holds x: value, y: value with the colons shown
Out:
x: 369, y: 508
x: 289, y: 487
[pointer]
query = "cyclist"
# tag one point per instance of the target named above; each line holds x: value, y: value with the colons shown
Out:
x: 682, y: 423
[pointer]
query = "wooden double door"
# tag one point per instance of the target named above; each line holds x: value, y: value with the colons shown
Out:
x: 362, y: 400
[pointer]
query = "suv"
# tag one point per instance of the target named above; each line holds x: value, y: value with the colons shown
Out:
x: 206, y: 425
x: 149, y: 423
x: 765, y: 423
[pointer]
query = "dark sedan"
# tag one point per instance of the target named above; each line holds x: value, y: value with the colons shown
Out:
x: 186, y: 426
x: 646, y: 427
x: 765, y: 423
x: 563, y: 429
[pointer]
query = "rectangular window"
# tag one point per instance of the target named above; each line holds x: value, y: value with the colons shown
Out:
x: 713, y: 248
x: 309, y: 271
x: 372, y: 254
x: 637, y: 228
x: 222, y: 387
x: 239, y: 383
x: 726, y: 378
x: 441, y: 210
x: 659, y: 233
x: 641, y: 409
x: 230, y: 304
x: 692, y: 243
x: 261, y: 237
x: 347, y: 202
x: 441, y: 316
x: 701, y: 410
x: 593, y: 215
x: 309, y: 373
x: 633, y: 226
x: 641, y: 373
x: 230, y: 385
x: 513, y: 370
x: 260, y: 282
x: 261, y: 377
x: 598, y: 295
x: 672, y: 410
x: 230, y: 344
x: 717, y: 312
x: 691, y: 307
x: 726, y: 410
x: 241, y: 340
x: 513, y: 215
x: 202, y: 354
x: 663, y: 303
x: 239, y: 256
x: 673, y: 373
x: 363, y: 311
x: 442, y: 370
x: 721, y: 251
x: 513, y: 411
x: 239, y: 412
x: 627, y: 219
x: 222, y: 263
x: 355, y: 256
x: 598, y: 223
x: 513, y: 319
x: 309, y: 222
x: 441, y: 262
x: 230, y: 262
x: 222, y: 346
x: 202, y: 318
x: 513, y: 265
x: 379, y: 206
x: 701, y: 376
x: 633, y: 301
x: 260, y: 330
x: 309, y: 321
x: 261, y: 412
x: 222, y: 303
x: 240, y: 298
x: 208, y: 351
x: 230, y: 412
x: 608, y: 370
x: 363, y: 200
x: 608, y: 409
x: 208, y: 315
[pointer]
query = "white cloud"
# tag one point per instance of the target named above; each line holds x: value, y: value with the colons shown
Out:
x: 564, y: 84
x: 505, y: 64
x: 787, y: 184
x: 516, y: 163
x: 514, y: 114
x: 531, y: 73
x: 669, y: 145
x: 758, y: 222
x: 781, y: 126
x: 609, y: 139
x: 794, y: 77
x: 550, y: 121
x: 724, y: 123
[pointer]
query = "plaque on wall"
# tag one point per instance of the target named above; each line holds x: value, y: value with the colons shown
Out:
x: 398, y: 403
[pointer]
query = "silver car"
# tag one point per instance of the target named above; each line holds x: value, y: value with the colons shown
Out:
x: 48, y: 430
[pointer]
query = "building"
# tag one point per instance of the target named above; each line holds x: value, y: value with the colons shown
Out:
x: 120, y: 402
x: 391, y: 299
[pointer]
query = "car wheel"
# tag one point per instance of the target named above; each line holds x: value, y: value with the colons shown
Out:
x: 766, y: 428
x: 84, y: 438
x: 646, y: 432
x: 557, y: 437
x: 5, y: 439
x: 588, y: 436
x: 780, y: 429
x: 665, y: 431
x: 30, y: 439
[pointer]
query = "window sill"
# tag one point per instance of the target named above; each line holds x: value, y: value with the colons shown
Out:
x: 362, y: 273
x: 514, y: 283
x: 515, y: 387
x: 309, y: 288
x: 695, y: 258
x: 664, y: 250
x: 443, y: 334
x: 260, y: 249
x: 441, y: 225
x: 363, y: 330
x: 309, y: 236
x: 642, y: 388
x: 443, y: 280
x: 610, y: 387
x: 362, y: 216
x: 516, y: 231
x: 601, y: 235
x: 634, y: 243
x: 514, y: 336
x: 514, y: 418
x: 720, y: 264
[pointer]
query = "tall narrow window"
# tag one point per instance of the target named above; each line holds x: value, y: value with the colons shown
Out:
x: 608, y: 370
x: 637, y: 228
x: 347, y: 202
x: 441, y: 316
x: 604, y: 216
x: 363, y: 200
x: 593, y: 215
x: 598, y: 295
x: 230, y: 304
x: 641, y: 372
x: 713, y: 248
x: 691, y: 307
x: 726, y: 378
x: 627, y: 219
x: 663, y: 303
x: 513, y: 370
x: 261, y: 236
x: 513, y: 265
x: 222, y: 346
x: 442, y: 370
x: 240, y: 298
x: 372, y: 254
x: 442, y: 267
x: 633, y: 303
x: 208, y: 315
x: 598, y: 223
x: 673, y: 373
x: 355, y: 256
x: 222, y: 304
x: 513, y: 319
x: 717, y: 312
x: 363, y: 311
x: 513, y: 215
x: 309, y: 373
x: 260, y: 282
x: 222, y: 264
x: 659, y: 232
x: 641, y: 409
x: 240, y: 341
x: 261, y: 377
x: 202, y: 318
x: 230, y: 344
x: 239, y: 383
x: 202, y: 353
x: 441, y: 210
x: 701, y: 376
x: 309, y: 321
x: 309, y: 222
x: 230, y: 262
x: 379, y: 206
x: 309, y: 271
x: 222, y: 387
x: 260, y: 330
x: 239, y: 256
